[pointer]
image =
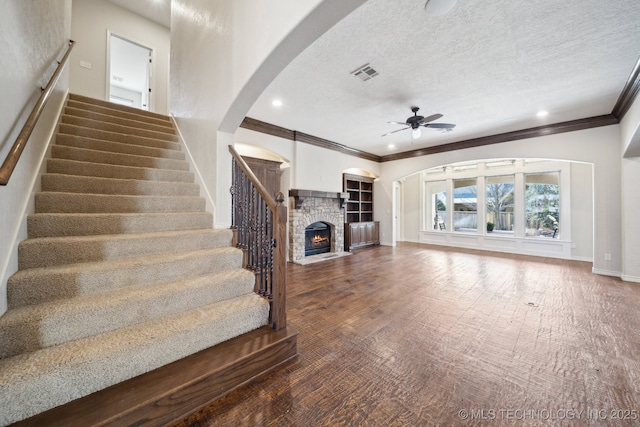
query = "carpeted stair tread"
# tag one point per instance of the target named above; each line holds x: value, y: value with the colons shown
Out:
x: 34, y: 382
x: 129, y: 122
x: 69, y: 129
x: 40, y: 285
x: 114, y: 112
x: 117, y: 107
x: 31, y: 328
x: 86, y: 184
x: 106, y: 157
x: 55, y: 202
x: 116, y: 128
x: 102, y: 170
x: 122, y: 271
x: 82, y: 224
x: 118, y: 147
x: 54, y: 251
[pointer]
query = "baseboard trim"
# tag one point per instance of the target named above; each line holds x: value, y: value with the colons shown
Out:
x: 606, y: 272
x: 173, y: 392
x: 198, y: 176
x: 628, y: 278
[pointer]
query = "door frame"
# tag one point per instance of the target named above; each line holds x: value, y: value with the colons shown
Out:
x: 150, y: 68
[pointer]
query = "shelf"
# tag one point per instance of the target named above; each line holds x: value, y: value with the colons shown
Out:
x: 359, y: 207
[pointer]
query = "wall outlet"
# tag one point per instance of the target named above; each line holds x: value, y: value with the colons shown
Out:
x: 607, y: 257
x: 85, y: 64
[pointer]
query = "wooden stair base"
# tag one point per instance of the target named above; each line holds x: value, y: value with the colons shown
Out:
x: 173, y: 392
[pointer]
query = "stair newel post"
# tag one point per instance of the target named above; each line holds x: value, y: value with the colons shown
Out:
x: 279, y: 301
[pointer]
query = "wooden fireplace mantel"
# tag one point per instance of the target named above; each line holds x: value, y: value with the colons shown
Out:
x: 300, y: 195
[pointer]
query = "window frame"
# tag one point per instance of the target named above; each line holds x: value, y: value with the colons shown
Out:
x: 485, y: 169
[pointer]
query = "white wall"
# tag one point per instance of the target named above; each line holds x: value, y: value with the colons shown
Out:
x: 224, y: 54
x: 630, y: 133
x: 631, y: 219
x: 411, y: 217
x: 600, y: 146
x: 33, y: 36
x: 582, y: 224
x: 91, y: 19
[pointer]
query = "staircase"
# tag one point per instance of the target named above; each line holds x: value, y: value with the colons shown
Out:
x: 122, y: 272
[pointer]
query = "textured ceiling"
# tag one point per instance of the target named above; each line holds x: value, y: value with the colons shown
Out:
x: 487, y: 66
x: 158, y: 11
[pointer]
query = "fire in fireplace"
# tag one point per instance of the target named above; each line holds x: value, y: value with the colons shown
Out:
x: 317, y: 239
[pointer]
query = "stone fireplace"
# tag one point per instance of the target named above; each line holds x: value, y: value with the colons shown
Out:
x: 322, y: 214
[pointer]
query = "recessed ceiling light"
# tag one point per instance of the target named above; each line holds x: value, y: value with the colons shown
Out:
x: 438, y: 7
x: 391, y: 146
x: 276, y: 103
x: 542, y: 113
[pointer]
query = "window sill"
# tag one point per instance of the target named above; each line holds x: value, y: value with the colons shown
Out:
x: 499, y: 242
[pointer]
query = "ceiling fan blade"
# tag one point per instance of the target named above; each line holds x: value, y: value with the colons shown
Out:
x: 431, y: 118
x: 440, y: 125
x: 398, y: 130
x: 398, y: 123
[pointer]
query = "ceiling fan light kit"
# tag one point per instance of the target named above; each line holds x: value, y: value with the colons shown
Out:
x: 414, y: 122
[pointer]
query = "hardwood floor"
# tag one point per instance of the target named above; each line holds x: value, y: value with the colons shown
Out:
x: 423, y: 335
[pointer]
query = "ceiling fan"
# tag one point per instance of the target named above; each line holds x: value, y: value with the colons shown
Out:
x: 414, y: 122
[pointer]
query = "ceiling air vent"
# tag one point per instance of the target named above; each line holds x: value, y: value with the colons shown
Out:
x: 365, y: 72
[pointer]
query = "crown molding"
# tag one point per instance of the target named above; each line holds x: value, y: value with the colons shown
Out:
x: 292, y: 135
x: 267, y: 128
x: 629, y: 93
x: 570, y: 126
x: 330, y: 145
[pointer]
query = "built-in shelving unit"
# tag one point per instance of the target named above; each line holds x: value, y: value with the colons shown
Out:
x: 361, y: 230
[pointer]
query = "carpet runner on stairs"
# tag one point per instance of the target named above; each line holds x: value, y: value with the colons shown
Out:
x: 122, y: 271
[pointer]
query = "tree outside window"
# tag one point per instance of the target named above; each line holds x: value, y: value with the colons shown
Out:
x: 499, y: 201
x: 542, y: 205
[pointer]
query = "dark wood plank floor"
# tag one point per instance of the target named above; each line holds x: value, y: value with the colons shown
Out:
x: 422, y: 335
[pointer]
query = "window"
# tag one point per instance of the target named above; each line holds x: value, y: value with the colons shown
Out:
x: 542, y: 205
x: 465, y: 205
x: 437, y: 204
x: 499, y: 201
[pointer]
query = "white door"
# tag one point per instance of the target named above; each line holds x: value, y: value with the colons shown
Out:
x: 129, y: 73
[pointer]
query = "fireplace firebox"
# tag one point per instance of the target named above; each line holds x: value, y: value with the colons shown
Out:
x: 317, y: 239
